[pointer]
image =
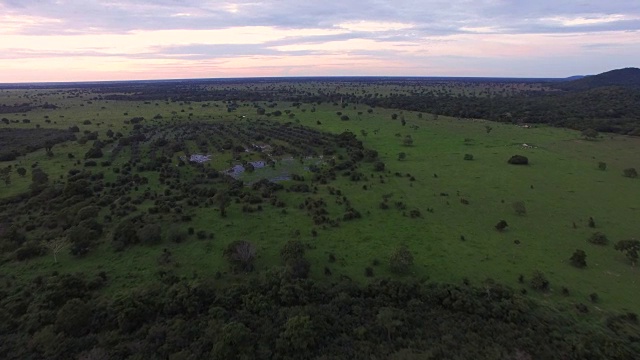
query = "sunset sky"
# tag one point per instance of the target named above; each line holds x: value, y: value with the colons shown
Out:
x: 84, y: 40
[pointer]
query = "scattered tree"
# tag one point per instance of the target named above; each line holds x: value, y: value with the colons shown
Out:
x: 590, y: 134
x: 598, y: 238
x: 241, y: 254
x: 150, y: 234
x: 501, y: 225
x: 539, y: 281
x: 630, y: 248
x: 21, y: 171
x: 579, y: 259
x: 56, y: 245
x: 519, y: 208
x: 401, y: 260
x: 630, y: 173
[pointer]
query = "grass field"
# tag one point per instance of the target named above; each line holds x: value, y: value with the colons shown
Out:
x: 561, y: 186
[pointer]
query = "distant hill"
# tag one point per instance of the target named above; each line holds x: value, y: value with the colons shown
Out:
x: 627, y: 77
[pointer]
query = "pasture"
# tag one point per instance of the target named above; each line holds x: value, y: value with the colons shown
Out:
x: 458, y: 201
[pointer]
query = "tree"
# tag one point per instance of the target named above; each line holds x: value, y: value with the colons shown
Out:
x: 539, y: 281
x: 402, y: 156
x: 590, y: 134
x: 48, y: 146
x: 5, y: 175
x: 292, y: 254
x: 387, y: 318
x: 407, y: 141
x: 519, y: 208
x: 378, y: 166
x: 579, y: 259
x: 150, y: 234
x: 501, y: 225
x: 39, y: 177
x: 602, y: 166
x: 292, y: 249
x: 223, y: 200
x: 630, y: 248
x: 401, y: 260
x: 74, y: 317
x: 468, y: 156
x: 21, y: 171
x: 234, y: 341
x: 241, y: 254
x: 56, y: 245
x: 298, y: 336
x: 630, y: 173
x: 488, y: 128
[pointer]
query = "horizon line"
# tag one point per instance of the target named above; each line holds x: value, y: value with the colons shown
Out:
x: 320, y: 77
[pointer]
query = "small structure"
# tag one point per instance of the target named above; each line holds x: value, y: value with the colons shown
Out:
x: 197, y: 158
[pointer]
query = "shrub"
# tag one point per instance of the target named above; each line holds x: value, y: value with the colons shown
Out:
x: 539, y: 281
x: 519, y: 208
x: 150, y: 234
x: 292, y: 249
x: 518, y: 160
x: 241, y: 254
x: 602, y: 166
x: 579, y: 259
x: 401, y: 260
x: 598, y: 238
x: 176, y: 235
x: 630, y: 173
x: 501, y: 225
x: 368, y: 271
x: 468, y: 157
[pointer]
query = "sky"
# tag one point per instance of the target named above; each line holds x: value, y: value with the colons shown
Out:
x: 85, y: 40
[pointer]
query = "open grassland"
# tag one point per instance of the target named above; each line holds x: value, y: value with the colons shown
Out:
x: 450, y: 240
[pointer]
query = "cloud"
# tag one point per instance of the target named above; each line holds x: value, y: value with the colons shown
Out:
x: 366, y: 36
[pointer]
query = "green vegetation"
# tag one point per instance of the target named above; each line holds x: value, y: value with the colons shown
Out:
x: 258, y: 218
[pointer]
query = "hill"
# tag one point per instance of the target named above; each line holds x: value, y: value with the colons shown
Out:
x: 627, y: 77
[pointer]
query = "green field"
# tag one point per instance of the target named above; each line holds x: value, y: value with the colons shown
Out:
x: 561, y: 186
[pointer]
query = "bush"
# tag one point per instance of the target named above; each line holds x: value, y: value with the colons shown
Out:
x: 292, y: 249
x: 579, y: 259
x: 501, y: 225
x: 602, y: 166
x: 150, y: 234
x: 630, y: 173
x: 468, y: 157
x: 368, y: 271
x: 598, y: 238
x: 539, y: 281
x: 176, y: 235
x: 519, y: 208
x: 241, y: 254
x: 518, y: 160
x: 401, y: 260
